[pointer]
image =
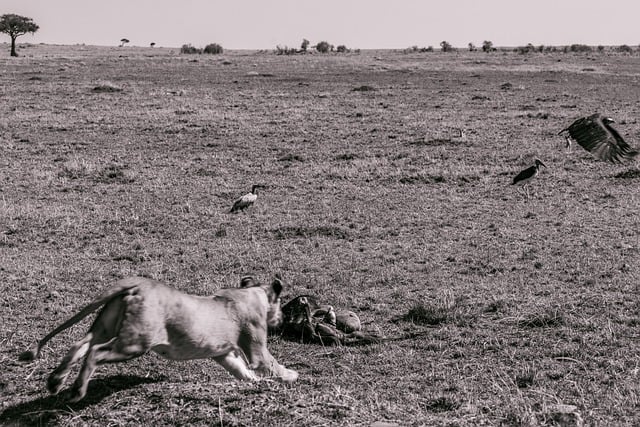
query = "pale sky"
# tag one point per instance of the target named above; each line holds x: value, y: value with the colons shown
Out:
x: 364, y: 24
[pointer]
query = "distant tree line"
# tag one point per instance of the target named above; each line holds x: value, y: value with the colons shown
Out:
x: 320, y: 47
x: 487, y: 46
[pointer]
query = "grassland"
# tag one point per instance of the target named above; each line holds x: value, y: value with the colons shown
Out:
x: 374, y: 202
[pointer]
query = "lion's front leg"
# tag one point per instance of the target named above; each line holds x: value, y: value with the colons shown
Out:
x: 234, y: 362
x: 263, y: 361
x: 269, y: 366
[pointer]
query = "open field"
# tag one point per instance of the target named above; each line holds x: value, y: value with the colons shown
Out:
x: 374, y: 202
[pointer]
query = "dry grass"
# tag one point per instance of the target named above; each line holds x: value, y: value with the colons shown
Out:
x: 375, y: 201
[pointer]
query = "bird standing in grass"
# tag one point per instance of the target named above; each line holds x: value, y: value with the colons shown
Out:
x: 247, y: 200
x: 524, y: 177
x: 595, y: 134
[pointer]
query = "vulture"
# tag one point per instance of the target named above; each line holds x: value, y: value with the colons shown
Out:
x: 246, y: 200
x: 595, y: 134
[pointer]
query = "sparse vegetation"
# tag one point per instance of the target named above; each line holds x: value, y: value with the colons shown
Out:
x: 580, y: 48
x: 342, y: 49
x: 285, y: 50
x: 523, y: 50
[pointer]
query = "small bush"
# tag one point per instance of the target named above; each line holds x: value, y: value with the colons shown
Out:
x: 342, y: 49
x: 188, y: 49
x: 304, y: 45
x: 323, y: 47
x: 487, y: 46
x: 107, y: 87
x: 525, y: 49
x: 213, y: 49
x: 364, y: 88
x: 285, y: 50
x: 580, y: 48
x: 624, y: 49
x: 446, y: 46
x: 526, y: 377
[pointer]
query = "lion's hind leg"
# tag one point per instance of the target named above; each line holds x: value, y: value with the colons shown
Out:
x: 99, y: 354
x: 75, y: 353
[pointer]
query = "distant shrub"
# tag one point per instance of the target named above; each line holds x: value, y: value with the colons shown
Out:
x: 427, y: 49
x: 600, y: 48
x: 525, y: 49
x: 280, y: 50
x: 580, y: 48
x: 213, y: 48
x: 152, y: 44
x: 487, y: 46
x: 323, y: 47
x: 446, y: 46
x: 624, y: 49
x: 472, y: 47
x: 106, y: 87
x: 304, y: 45
x: 342, y: 49
x: 188, y: 49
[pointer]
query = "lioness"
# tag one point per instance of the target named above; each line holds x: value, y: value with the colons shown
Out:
x: 141, y: 314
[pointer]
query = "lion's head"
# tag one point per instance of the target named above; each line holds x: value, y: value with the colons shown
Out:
x: 274, y: 311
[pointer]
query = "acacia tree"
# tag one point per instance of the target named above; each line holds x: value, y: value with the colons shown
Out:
x: 123, y: 42
x: 16, y: 26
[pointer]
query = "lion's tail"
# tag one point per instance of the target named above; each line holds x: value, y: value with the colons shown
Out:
x: 118, y: 289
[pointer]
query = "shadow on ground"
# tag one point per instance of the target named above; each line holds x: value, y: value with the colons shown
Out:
x: 41, y: 411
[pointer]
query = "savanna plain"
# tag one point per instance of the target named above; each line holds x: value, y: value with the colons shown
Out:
x: 387, y: 192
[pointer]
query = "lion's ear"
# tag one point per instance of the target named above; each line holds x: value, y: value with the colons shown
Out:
x: 248, y: 282
x: 276, y: 286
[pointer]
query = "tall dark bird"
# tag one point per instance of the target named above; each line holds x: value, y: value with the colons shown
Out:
x: 595, y: 135
x: 524, y: 177
x: 246, y: 200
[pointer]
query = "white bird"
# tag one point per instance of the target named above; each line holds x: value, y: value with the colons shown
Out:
x: 595, y: 135
x: 246, y: 200
x: 524, y: 177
